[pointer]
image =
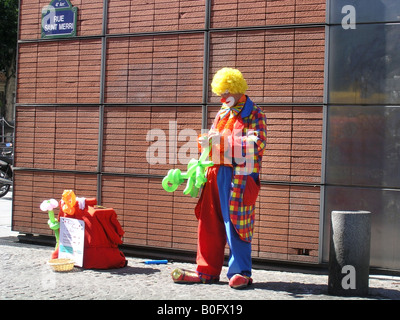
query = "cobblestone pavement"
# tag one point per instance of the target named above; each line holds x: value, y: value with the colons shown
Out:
x: 24, y: 274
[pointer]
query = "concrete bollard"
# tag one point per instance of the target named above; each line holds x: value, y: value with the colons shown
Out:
x: 349, y: 254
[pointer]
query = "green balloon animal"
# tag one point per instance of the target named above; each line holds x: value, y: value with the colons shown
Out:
x: 195, y: 175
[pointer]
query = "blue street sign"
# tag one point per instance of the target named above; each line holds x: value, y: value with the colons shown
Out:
x: 59, y: 19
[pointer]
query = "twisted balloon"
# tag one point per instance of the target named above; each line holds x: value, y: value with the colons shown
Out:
x: 68, y: 202
x: 195, y: 175
x: 49, y: 206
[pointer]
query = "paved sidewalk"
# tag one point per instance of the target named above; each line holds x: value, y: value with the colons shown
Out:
x: 24, y: 274
x: 5, y: 216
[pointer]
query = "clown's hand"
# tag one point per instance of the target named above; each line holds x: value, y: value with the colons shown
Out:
x: 81, y: 202
x: 214, y: 134
x: 252, y: 135
x: 203, y: 141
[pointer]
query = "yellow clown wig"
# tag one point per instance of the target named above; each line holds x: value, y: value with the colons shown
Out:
x: 228, y: 79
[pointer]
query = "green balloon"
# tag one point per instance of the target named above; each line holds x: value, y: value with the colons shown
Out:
x: 174, y: 177
x: 54, y: 225
x: 195, y: 175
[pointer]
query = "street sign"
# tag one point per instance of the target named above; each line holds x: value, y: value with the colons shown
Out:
x: 59, y: 19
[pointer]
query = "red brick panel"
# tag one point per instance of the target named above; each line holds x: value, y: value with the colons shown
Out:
x: 116, y: 88
x: 144, y: 220
x: 164, y: 82
x: 124, y: 139
x: 304, y: 224
x: 284, y: 69
x: 281, y: 12
x: 309, y: 11
x: 24, y: 136
x: 242, y: 50
x: 309, y: 52
x: 30, y: 13
x: 280, y: 66
x: 62, y: 138
x: 160, y: 215
x: 137, y: 16
x: 277, y: 155
x: 59, y: 72
x: 129, y: 198
x: 273, y: 221
x: 31, y: 188
x: 212, y: 112
x: 190, y: 68
x: 90, y: 17
x: 294, y: 143
x: 155, y: 69
x: 162, y: 141
x: 184, y: 225
x: 288, y: 223
x: 27, y: 65
x: 149, y: 140
x: 230, y: 14
x: 306, y: 153
x: 287, y: 217
x: 89, y: 20
x: 149, y: 215
x: 22, y: 202
x: 180, y: 127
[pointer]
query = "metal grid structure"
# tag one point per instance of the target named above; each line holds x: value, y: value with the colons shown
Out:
x: 96, y: 176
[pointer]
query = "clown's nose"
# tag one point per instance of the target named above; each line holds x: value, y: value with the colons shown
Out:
x: 223, y: 100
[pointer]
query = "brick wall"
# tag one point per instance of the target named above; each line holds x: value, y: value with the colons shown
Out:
x: 85, y: 106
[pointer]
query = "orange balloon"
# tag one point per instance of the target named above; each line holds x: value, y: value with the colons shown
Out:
x: 69, y: 199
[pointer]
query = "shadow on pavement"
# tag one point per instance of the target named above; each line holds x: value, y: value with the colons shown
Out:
x: 129, y: 270
x: 298, y: 290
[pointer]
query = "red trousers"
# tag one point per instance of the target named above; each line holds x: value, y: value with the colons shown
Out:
x: 216, y: 229
x: 211, y: 229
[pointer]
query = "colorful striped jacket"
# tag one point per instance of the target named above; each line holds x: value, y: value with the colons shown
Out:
x: 246, y: 166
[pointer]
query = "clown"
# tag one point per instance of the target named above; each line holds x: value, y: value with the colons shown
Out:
x: 225, y: 210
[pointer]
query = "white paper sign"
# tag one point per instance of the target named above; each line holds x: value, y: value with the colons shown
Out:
x: 72, y: 240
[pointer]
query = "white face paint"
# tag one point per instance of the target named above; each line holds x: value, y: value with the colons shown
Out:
x: 230, y: 102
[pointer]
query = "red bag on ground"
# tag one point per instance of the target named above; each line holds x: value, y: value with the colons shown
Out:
x: 103, y: 234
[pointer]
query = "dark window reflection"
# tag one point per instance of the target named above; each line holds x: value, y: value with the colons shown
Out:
x: 364, y: 64
x: 366, y: 10
x: 363, y: 146
x: 384, y: 206
x: 363, y: 121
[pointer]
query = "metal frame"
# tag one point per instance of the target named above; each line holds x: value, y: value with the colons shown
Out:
x: 204, y: 104
x: 207, y: 31
x: 324, y: 223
